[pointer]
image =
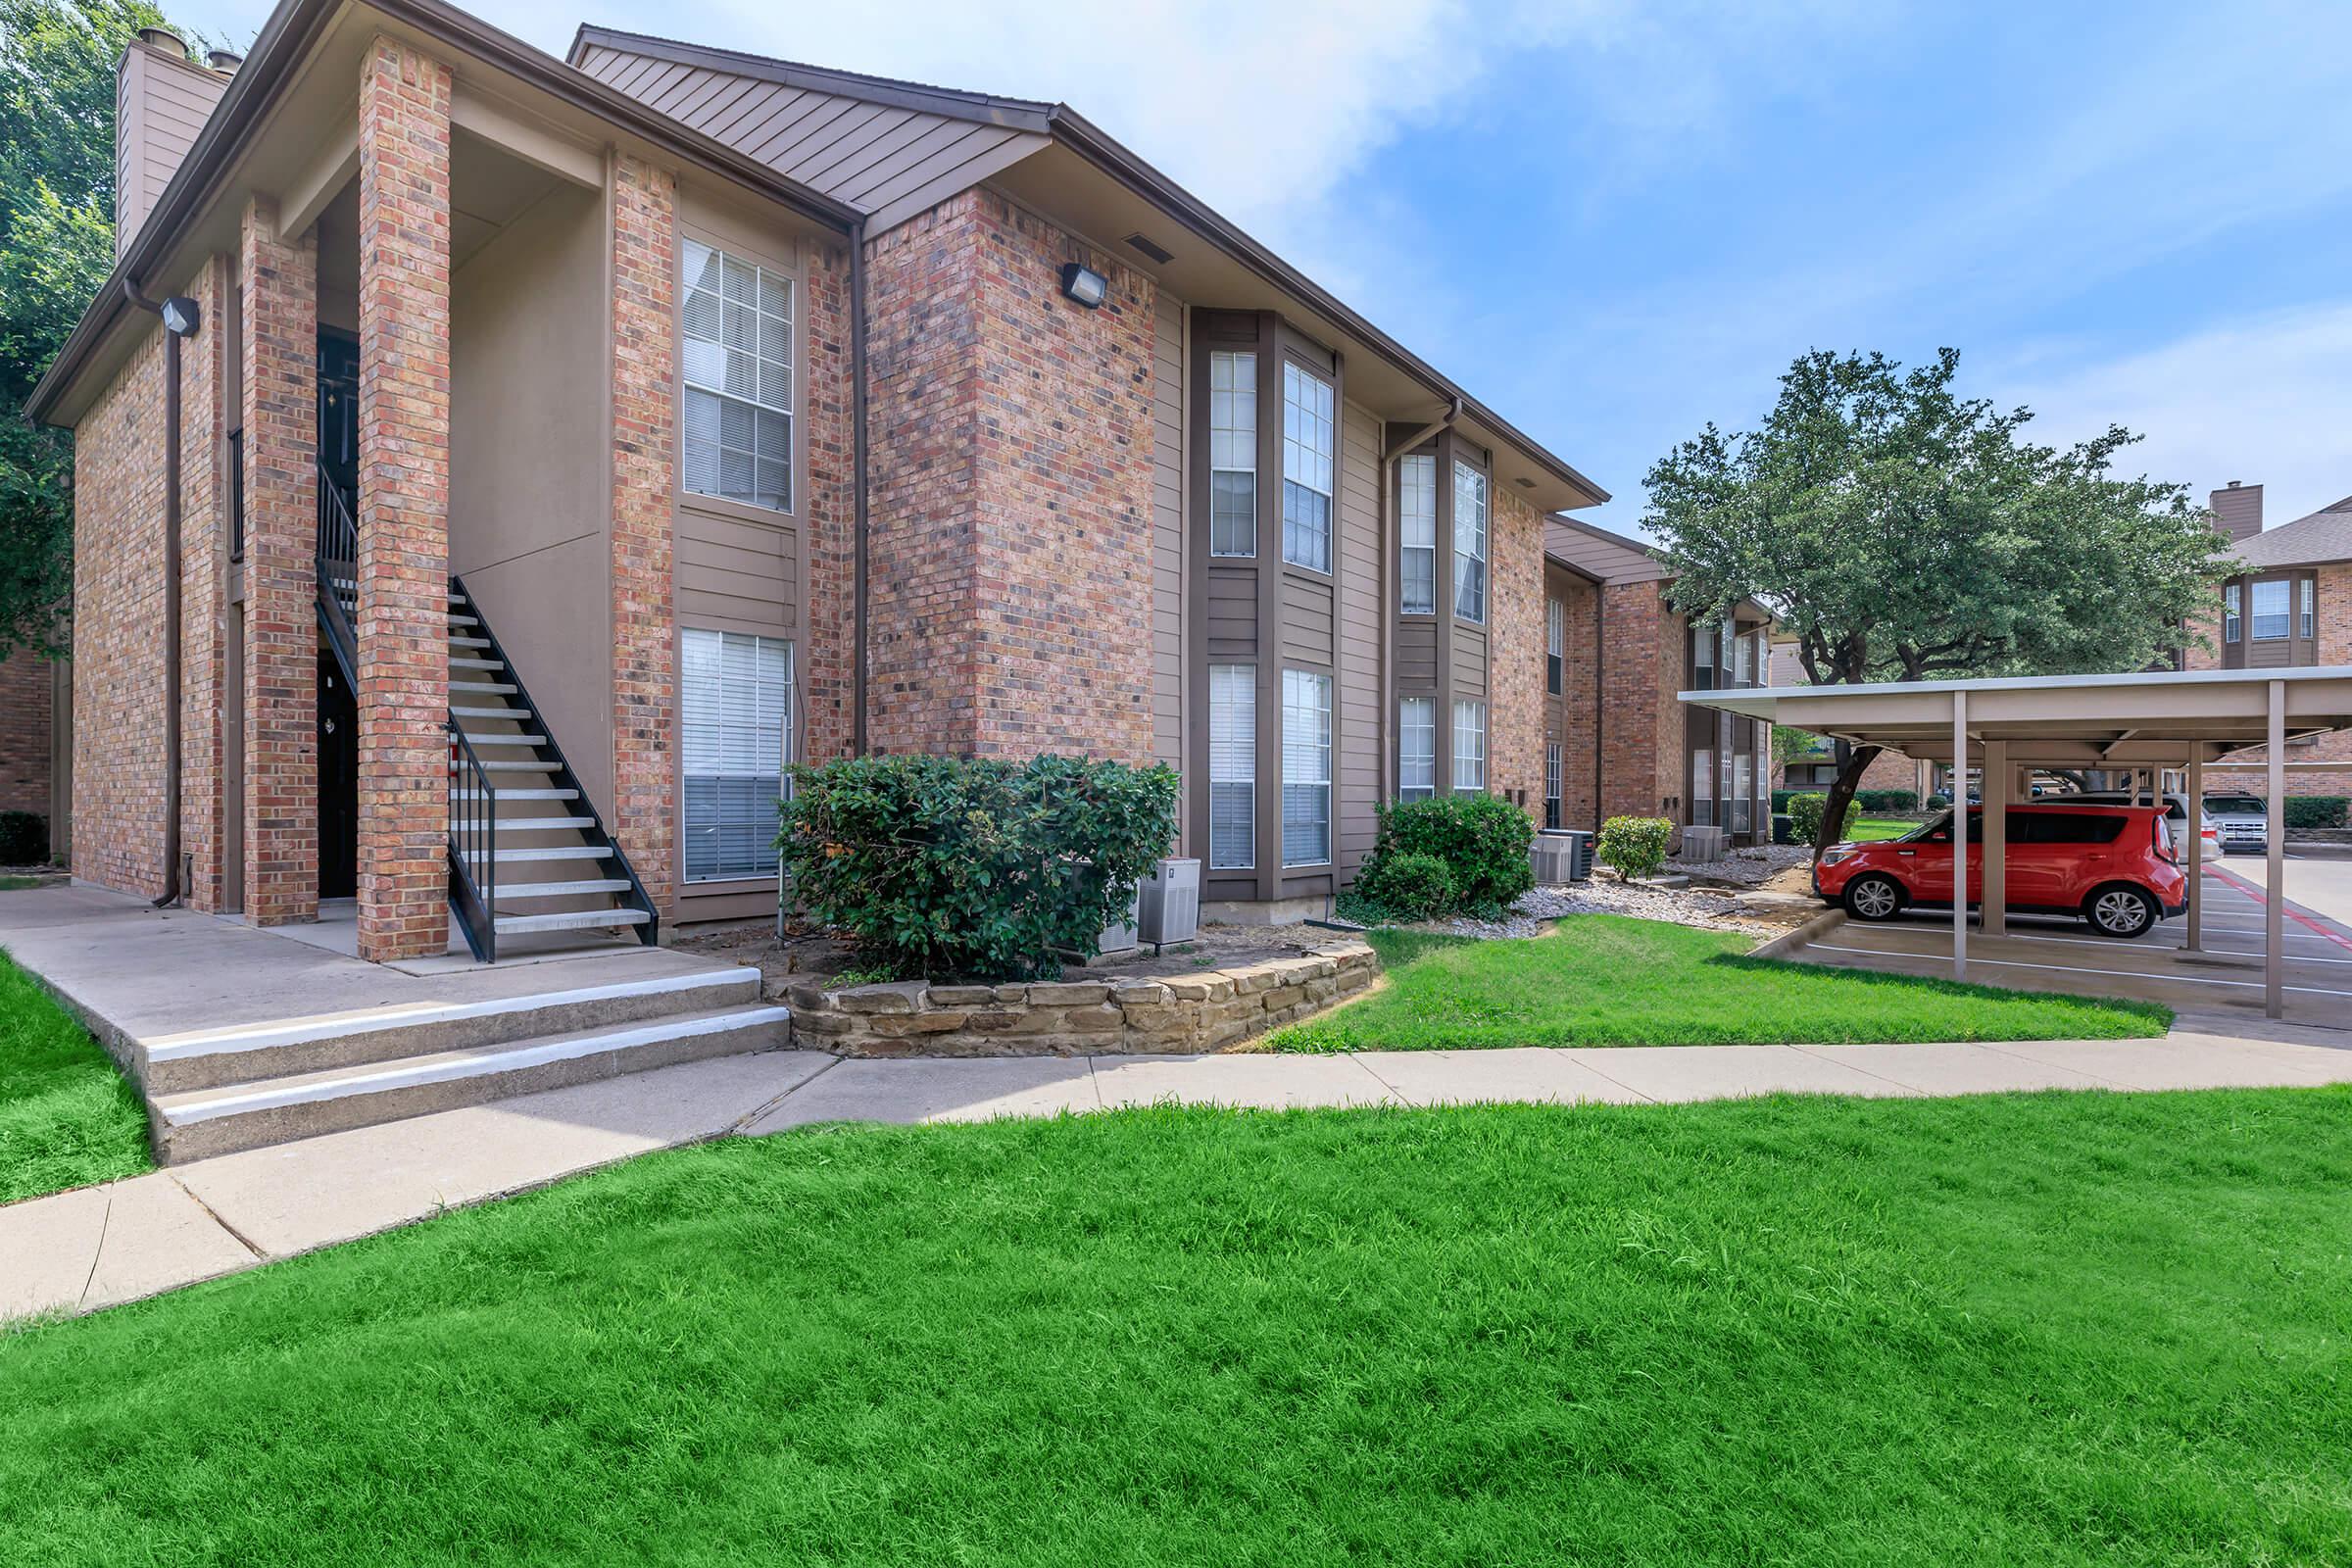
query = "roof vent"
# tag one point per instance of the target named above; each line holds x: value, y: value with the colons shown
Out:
x: 1149, y: 247
x: 1524, y: 483
x: 166, y: 39
x: 225, y: 60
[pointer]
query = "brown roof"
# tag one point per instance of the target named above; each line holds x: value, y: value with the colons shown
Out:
x: 1599, y: 552
x: 2325, y: 535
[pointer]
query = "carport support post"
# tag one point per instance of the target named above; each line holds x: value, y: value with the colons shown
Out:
x: 1960, y: 835
x: 2274, y: 907
x: 2196, y: 851
x: 1998, y: 783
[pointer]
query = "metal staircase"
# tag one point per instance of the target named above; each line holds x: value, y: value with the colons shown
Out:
x: 528, y: 852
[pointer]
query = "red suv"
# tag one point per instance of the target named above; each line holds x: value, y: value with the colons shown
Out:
x: 2113, y: 865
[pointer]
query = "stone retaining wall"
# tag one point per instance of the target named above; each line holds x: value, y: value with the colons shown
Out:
x: 1164, y: 1013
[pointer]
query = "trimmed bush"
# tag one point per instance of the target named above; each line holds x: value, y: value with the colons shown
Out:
x: 1805, y: 814
x: 1408, y: 887
x: 1780, y: 800
x: 1634, y: 844
x: 1895, y: 803
x: 955, y: 867
x: 2305, y: 811
x: 24, y: 838
x: 1481, y: 840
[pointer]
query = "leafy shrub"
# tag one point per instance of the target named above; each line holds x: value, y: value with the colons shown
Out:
x: 1481, y: 840
x: 1938, y: 801
x: 1806, y: 813
x: 1895, y: 803
x: 1634, y: 844
x: 24, y: 838
x: 1780, y: 800
x: 2302, y: 810
x: 1408, y: 887
x: 942, y: 866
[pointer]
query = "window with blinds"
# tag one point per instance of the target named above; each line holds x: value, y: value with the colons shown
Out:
x: 1232, y: 453
x: 1744, y: 788
x: 1417, y: 533
x: 1417, y: 748
x: 1307, y: 447
x: 1555, y: 645
x: 1305, y: 769
x: 735, y: 358
x: 735, y: 698
x: 1469, y: 747
x: 1469, y: 543
x: 1232, y: 766
x: 1702, y: 787
x: 1552, y: 784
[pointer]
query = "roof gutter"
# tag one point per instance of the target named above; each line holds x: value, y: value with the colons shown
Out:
x: 285, y: 41
x: 1083, y: 137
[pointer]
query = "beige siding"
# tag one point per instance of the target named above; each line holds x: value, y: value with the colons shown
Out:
x: 1232, y: 612
x: 1469, y: 660
x: 161, y: 103
x: 1306, y: 620
x: 886, y: 161
x: 1610, y: 557
x: 1167, y: 533
x: 1417, y: 654
x: 1361, y: 614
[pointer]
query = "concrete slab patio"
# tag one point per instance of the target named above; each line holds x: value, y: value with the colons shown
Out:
x: 79, y: 1251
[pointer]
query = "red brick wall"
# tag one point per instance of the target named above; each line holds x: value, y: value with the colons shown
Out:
x: 1515, y: 655
x: 204, y: 503
x: 279, y: 282
x: 645, y: 441
x: 1012, y: 492
x: 1630, y: 710
x: 118, y: 618
x: 404, y: 501
x: 25, y: 732
x: 2331, y: 620
x: 1574, y: 711
x: 828, y: 549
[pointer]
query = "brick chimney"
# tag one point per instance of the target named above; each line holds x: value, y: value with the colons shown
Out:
x: 2238, y: 511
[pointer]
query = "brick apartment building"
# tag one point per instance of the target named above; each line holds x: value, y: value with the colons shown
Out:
x: 551, y: 450
x: 32, y: 774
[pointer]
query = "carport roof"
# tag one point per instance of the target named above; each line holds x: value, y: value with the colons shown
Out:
x: 2162, y: 718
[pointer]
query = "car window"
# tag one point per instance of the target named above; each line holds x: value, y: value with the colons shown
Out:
x: 2235, y: 806
x: 2084, y: 827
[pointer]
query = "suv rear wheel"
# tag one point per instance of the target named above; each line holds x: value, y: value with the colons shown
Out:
x: 1872, y: 896
x: 2120, y: 909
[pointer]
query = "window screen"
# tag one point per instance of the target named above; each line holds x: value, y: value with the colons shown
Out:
x: 1231, y: 765
x: 1417, y: 533
x: 1305, y: 769
x: 1233, y: 453
x: 1417, y: 748
x: 1469, y: 543
x: 1552, y: 784
x: 735, y: 697
x: 2230, y: 608
x: 2270, y: 614
x: 736, y: 359
x: 1469, y: 748
x: 1306, y: 469
x: 1702, y: 787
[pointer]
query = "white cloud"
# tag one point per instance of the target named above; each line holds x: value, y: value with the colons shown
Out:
x: 2260, y: 400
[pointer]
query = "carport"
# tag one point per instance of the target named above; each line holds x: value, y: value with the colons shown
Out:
x: 2149, y: 723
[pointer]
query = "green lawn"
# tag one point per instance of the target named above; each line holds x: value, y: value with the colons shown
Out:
x: 67, y: 1118
x: 1870, y: 828
x: 2049, y: 1329
x: 1608, y: 980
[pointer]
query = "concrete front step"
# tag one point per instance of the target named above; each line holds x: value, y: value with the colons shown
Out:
x: 213, y: 1058
x: 574, y: 920
x: 277, y: 1111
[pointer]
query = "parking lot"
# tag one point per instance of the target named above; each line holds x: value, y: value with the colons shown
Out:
x: 2056, y: 955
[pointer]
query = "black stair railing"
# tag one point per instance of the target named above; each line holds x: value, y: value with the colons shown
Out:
x: 472, y: 847
x: 338, y: 563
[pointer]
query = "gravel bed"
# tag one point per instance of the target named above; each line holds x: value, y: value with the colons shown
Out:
x: 1698, y: 906
x: 1749, y: 867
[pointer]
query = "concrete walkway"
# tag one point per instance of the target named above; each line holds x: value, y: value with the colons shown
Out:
x: 79, y: 1251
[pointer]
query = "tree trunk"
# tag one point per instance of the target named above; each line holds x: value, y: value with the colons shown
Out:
x: 1842, y: 794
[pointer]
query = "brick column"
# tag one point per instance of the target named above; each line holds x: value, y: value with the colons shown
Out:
x: 204, y: 513
x: 278, y: 279
x: 643, y: 473
x: 1631, y: 682
x: 404, y: 503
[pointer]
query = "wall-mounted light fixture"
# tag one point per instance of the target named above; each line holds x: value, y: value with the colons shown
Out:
x: 1083, y: 286
x: 180, y: 316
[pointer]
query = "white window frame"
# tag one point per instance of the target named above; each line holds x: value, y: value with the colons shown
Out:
x: 1309, y: 465
x: 1417, y: 532
x: 1306, y: 765
x: 703, y: 677
x: 1702, y: 786
x: 2231, y: 601
x: 1470, y: 522
x: 1233, y: 756
x: 1231, y: 442
x: 1469, y: 747
x: 1555, y: 646
x: 710, y: 368
x: 2305, y: 603
x: 1417, y: 748
x: 2284, y: 615
x: 1553, y: 811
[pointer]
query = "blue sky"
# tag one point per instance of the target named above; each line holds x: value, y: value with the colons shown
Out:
x: 1617, y: 222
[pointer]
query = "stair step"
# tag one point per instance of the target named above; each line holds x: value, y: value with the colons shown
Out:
x: 542, y: 824
x: 480, y: 688
x: 468, y: 642
x: 210, y: 1058
x: 561, y: 890
x: 480, y: 739
x: 512, y: 767
x: 492, y: 713
x: 202, y: 1122
x: 561, y: 851
x: 517, y: 795
x: 581, y: 920
x: 463, y: 620
x: 472, y: 662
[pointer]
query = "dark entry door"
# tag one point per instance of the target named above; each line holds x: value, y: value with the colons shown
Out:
x: 338, y: 783
x: 339, y: 412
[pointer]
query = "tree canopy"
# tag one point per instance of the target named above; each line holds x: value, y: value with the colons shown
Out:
x: 1901, y: 531
x: 56, y: 226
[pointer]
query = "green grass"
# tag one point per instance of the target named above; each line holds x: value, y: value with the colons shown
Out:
x: 2049, y: 1329
x: 66, y: 1116
x: 1608, y: 980
x: 1867, y: 829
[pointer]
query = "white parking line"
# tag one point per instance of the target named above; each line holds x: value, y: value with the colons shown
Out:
x: 2169, y: 947
x: 2066, y: 968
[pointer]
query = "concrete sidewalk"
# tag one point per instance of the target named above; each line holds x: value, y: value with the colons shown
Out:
x: 96, y: 1246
